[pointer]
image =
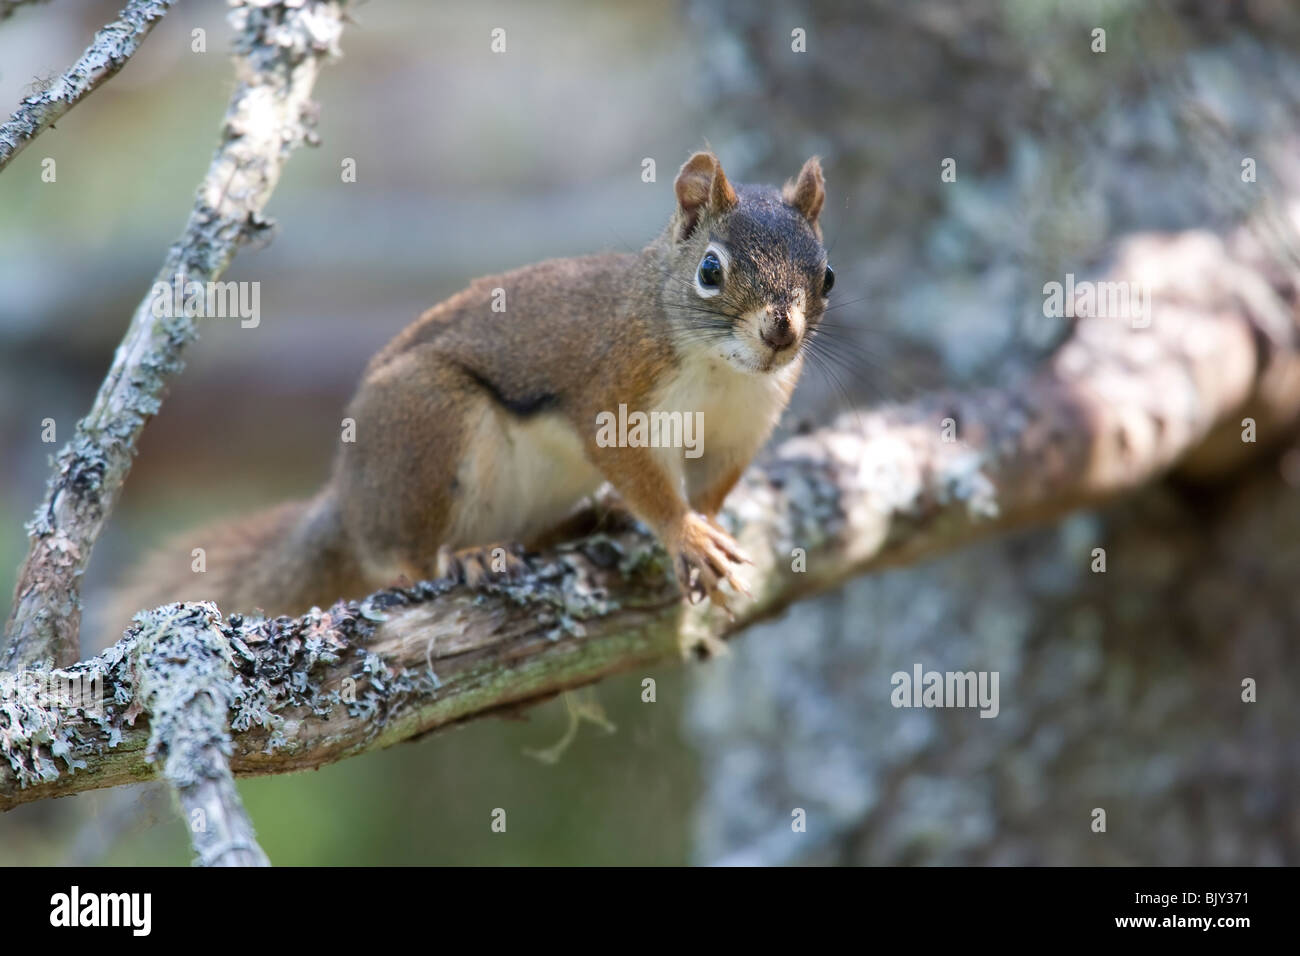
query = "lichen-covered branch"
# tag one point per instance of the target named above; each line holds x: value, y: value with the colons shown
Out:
x: 1116, y: 408
x: 279, y: 48
x: 108, y: 52
x: 184, y: 666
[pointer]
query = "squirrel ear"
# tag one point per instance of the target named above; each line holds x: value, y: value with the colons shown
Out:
x: 809, y: 192
x: 701, y: 186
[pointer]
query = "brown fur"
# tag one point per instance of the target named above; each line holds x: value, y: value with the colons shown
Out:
x: 475, y: 426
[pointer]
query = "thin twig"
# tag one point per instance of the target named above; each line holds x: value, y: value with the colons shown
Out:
x: 108, y: 52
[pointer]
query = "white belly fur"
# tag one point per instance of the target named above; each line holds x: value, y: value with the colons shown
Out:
x: 739, y: 410
x: 521, y: 478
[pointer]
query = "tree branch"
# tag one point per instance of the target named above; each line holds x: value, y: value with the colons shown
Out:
x: 185, y: 667
x: 279, y: 49
x: 1116, y: 408
x: 108, y: 52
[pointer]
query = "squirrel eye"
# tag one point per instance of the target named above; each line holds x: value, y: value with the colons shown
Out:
x: 828, y: 280
x: 710, y: 271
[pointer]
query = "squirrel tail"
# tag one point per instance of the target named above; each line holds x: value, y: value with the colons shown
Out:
x: 280, y: 561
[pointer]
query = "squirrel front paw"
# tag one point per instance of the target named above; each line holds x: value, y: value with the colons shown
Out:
x: 704, y: 556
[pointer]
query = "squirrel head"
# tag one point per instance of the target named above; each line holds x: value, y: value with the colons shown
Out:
x: 746, y: 274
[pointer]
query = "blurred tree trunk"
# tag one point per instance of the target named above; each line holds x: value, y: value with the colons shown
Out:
x: 1119, y: 690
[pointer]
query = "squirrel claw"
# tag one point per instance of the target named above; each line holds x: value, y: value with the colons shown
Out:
x: 475, y: 567
x: 705, y: 557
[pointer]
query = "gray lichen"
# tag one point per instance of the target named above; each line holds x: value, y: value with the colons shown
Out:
x: 46, y: 715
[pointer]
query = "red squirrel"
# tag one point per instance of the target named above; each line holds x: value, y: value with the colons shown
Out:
x: 479, y: 428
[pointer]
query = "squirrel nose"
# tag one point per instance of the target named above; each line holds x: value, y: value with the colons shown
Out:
x: 779, y: 333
